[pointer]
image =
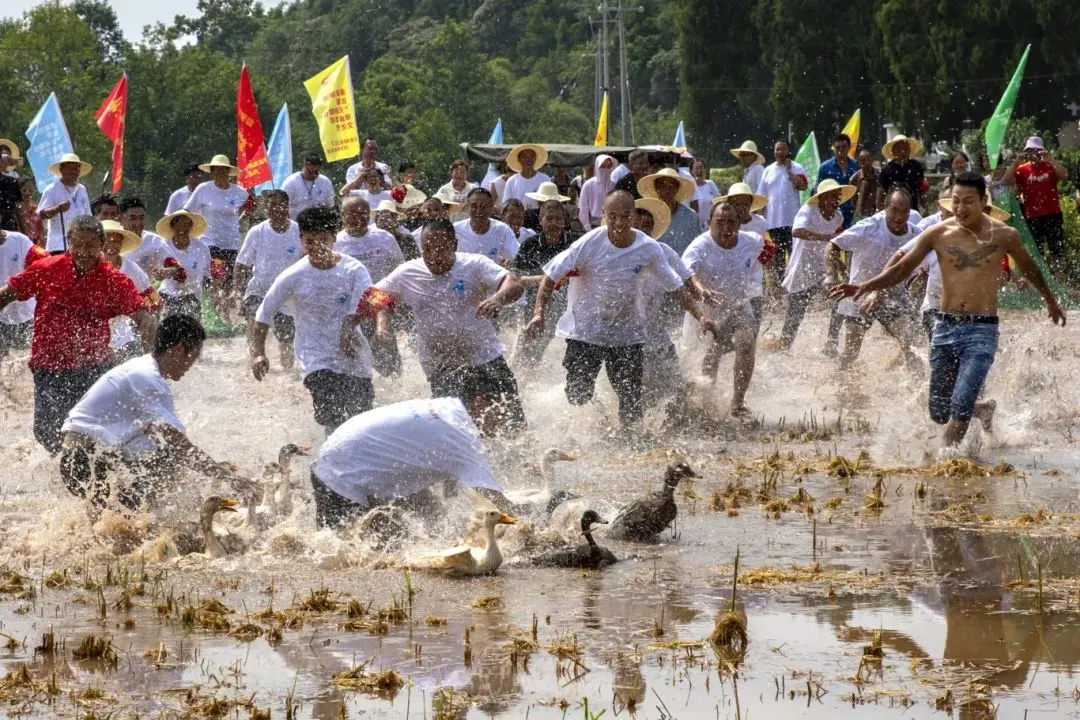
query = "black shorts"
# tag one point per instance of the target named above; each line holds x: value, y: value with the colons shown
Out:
x: 337, y: 397
x: 15, y: 337
x: 190, y: 305
x: 229, y: 258
x: 284, y: 326
x: 493, y: 382
x: 89, y: 471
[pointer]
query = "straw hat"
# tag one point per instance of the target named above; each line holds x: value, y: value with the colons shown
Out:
x: 414, y: 197
x: 54, y: 169
x: 220, y: 161
x: 827, y: 186
x: 647, y: 185
x: 741, y: 188
x: 661, y: 215
x: 515, y: 164
x: 748, y: 147
x: 164, y: 225
x: 945, y: 203
x: 547, y: 191
x: 387, y: 206
x: 13, y: 151
x: 131, y: 240
x: 447, y: 200
x: 915, y: 145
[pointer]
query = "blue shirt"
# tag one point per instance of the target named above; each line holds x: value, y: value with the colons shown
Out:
x: 830, y: 169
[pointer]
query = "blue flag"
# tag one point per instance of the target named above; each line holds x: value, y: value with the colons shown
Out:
x: 279, y: 151
x: 495, y: 139
x: 49, y: 139
x: 679, y: 143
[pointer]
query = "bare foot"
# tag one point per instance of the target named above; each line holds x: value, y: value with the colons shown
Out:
x: 984, y: 411
x: 741, y: 412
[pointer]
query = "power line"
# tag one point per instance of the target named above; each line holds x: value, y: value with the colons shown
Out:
x: 921, y: 83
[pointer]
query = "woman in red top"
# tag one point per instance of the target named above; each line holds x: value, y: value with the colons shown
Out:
x: 77, y: 293
x: 1036, y: 174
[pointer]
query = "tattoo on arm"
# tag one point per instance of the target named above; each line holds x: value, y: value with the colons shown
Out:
x: 963, y: 260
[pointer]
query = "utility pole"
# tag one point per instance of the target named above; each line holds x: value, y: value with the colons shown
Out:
x: 604, y: 20
x: 609, y: 15
x: 624, y: 85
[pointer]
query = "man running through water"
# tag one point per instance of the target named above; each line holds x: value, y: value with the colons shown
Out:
x: 969, y: 250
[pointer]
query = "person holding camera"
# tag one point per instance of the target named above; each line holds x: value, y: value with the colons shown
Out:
x: 1035, y: 174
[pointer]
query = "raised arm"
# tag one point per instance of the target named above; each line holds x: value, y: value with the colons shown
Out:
x: 891, y: 275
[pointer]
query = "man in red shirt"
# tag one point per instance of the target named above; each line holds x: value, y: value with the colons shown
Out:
x: 1035, y: 175
x: 77, y: 294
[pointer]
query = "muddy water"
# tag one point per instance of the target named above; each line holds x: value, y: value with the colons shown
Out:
x: 942, y: 582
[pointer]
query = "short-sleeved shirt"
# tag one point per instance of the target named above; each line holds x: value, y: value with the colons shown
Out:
x: 517, y: 187
x: 355, y: 169
x: 910, y: 176
x: 752, y: 175
x: 498, y: 243
x: 871, y: 244
x: 304, y: 193
x: 195, y: 259
x: 319, y: 301
x: 653, y: 294
x: 934, y: 287
x: 757, y: 225
x: 71, y: 320
x: 151, y: 253
x: 704, y: 194
x: 606, y: 300
x: 400, y: 449
x: 221, y: 209
x: 806, y: 268
x: 781, y: 193
x: 119, y: 408
x: 15, y: 255
x: 57, y: 193
x: 122, y: 328
x: 728, y: 271
x: 378, y: 250
x: 533, y: 255
x: 177, y: 200
x: 831, y: 169
x: 268, y: 252
x: 448, y: 334
x: 1038, y: 184
x: 685, y: 226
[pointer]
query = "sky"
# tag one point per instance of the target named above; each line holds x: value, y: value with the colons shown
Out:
x: 132, y: 14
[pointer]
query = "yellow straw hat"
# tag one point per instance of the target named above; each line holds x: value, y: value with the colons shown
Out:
x: 13, y: 151
x: 647, y: 185
x: 220, y: 161
x: 748, y: 147
x: 447, y: 200
x: 54, y: 169
x: 829, y: 185
x: 541, y: 156
x: 661, y: 215
x: 414, y: 197
x: 387, y: 206
x: 916, y: 147
x: 945, y: 203
x: 739, y: 189
x: 164, y: 225
x: 547, y: 191
x: 131, y: 240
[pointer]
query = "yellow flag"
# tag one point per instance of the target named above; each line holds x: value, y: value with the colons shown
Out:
x: 601, y: 126
x: 852, y: 131
x: 331, y: 94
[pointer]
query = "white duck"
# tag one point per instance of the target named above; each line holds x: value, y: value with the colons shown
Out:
x: 541, y: 497
x: 218, y: 546
x: 191, y: 539
x: 469, y: 559
x: 277, y: 489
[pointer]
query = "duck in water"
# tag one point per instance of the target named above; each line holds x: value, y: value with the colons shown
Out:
x: 647, y: 517
x: 585, y: 556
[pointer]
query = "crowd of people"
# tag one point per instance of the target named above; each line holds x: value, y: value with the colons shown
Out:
x: 620, y: 263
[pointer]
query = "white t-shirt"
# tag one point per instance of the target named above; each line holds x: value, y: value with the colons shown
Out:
x: 932, y: 296
x: 653, y: 292
x: 498, y: 186
x: 122, y: 327
x: 704, y: 195
x: 871, y: 244
x: 373, y: 199
x: 400, y: 449
x: 927, y: 222
x: 57, y: 193
x: 619, y: 173
x: 196, y: 260
x: 177, y: 200
x: 151, y: 252
x: 759, y: 227
x: 221, y: 209
x: 806, y: 268
x: 304, y: 194
x: 12, y: 262
x: 783, y: 197
x: 354, y: 171
x: 524, y: 234
x: 377, y: 249
x: 730, y: 272
x: 117, y: 409
x: 268, y: 252
x: 752, y: 175
x: 498, y: 243
x: 448, y: 334
x: 320, y: 300
x: 517, y: 186
x: 605, y: 303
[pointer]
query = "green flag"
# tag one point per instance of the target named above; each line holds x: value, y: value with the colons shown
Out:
x: 999, y: 121
x: 810, y: 160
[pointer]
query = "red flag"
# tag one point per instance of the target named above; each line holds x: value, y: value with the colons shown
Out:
x: 110, y: 118
x: 250, y: 144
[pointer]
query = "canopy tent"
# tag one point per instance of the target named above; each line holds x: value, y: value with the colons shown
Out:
x: 567, y: 155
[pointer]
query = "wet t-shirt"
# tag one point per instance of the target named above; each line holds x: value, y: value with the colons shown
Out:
x: 15, y: 253
x: 498, y: 243
x: 122, y: 327
x: 195, y: 259
x: 151, y: 253
x: 221, y: 209
x: 268, y: 253
x: 54, y: 195
x: 871, y: 244
x: 377, y: 249
x: 304, y: 193
x: 806, y: 268
x: 732, y: 272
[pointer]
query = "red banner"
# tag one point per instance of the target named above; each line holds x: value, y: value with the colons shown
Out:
x: 250, y: 143
x: 110, y: 118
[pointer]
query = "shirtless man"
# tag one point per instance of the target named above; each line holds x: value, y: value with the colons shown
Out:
x: 969, y: 249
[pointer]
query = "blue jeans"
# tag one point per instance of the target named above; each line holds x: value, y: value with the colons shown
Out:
x: 961, y: 354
